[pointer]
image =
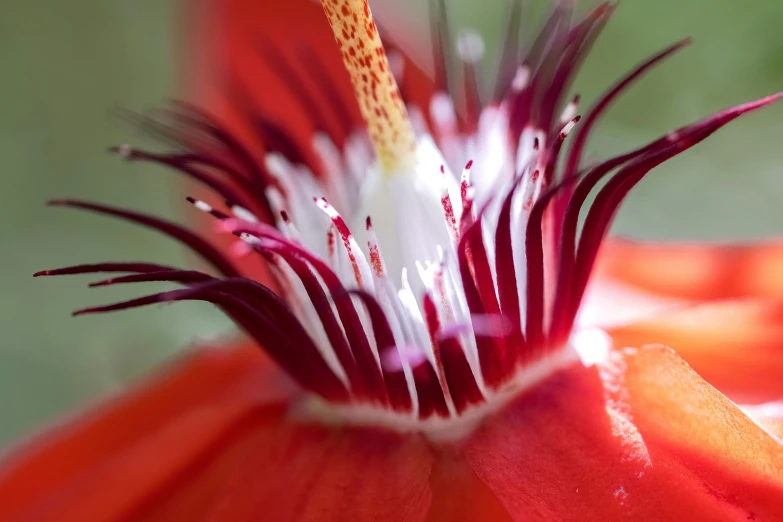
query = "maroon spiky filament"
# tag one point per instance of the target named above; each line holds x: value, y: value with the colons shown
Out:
x: 465, y: 329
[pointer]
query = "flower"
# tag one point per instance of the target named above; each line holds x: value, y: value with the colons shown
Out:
x: 436, y: 374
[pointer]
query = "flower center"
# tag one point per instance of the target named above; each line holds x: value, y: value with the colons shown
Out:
x: 373, y: 82
x: 460, y: 292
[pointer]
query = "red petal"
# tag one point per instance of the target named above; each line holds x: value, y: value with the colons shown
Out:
x: 223, y: 45
x: 641, y: 438
x: 693, y: 271
x: 228, y: 69
x: 113, y: 461
x: 210, y: 440
x: 234, y: 50
x: 315, y: 473
x: 458, y: 495
x: 737, y: 346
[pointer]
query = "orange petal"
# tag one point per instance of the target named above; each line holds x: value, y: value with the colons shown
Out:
x: 642, y: 437
x: 608, y: 303
x: 737, y: 346
x: 111, y: 461
x: 695, y: 271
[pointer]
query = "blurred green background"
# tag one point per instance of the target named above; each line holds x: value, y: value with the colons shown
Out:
x: 68, y: 65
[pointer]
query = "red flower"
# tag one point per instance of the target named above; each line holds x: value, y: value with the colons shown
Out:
x: 473, y: 388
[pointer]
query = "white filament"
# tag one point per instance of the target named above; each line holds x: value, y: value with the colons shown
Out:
x: 414, y: 244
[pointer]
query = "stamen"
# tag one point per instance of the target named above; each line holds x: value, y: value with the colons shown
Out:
x: 521, y: 78
x: 509, y: 57
x: 373, y: 82
x: 206, y: 208
x: 464, y: 184
x: 570, y: 110
x: 361, y: 269
x: 241, y: 212
x: 470, y: 49
x: 448, y: 210
x: 376, y: 259
x: 441, y: 45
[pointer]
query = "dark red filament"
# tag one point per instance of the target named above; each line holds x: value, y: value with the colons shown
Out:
x: 538, y: 323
